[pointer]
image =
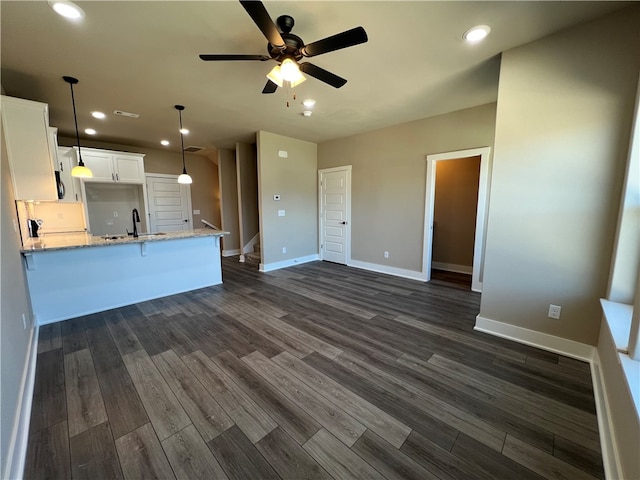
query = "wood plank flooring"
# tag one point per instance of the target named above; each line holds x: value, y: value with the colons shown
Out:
x: 318, y: 371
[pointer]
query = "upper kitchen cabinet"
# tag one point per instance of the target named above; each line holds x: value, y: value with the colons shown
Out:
x: 71, y: 185
x: 110, y: 166
x: 26, y: 135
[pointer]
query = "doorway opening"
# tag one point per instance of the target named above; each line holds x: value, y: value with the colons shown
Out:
x: 457, y: 243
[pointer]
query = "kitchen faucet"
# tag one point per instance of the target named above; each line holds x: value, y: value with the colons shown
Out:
x: 136, y: 218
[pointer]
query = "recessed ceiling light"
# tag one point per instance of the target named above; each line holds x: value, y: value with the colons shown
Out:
x: 307, y: 113
x: 309, y: 102
x: 164, y: 142
x: 98, y: 115
x: 67, y: 9
x: 89, y: 131
x: 184, y: 131
x: 477, y: 33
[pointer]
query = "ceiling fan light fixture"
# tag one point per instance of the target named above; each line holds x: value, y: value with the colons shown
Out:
x: 477, y: 33
x: 275, y: 75
x: 287, y: 71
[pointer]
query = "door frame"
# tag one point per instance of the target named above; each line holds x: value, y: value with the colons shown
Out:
x: 151, y: 225
x: 429, y: 204
x: 347, y: 249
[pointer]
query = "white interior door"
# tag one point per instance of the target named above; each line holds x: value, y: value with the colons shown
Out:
x: 335, y: 212
x: 169, y: 204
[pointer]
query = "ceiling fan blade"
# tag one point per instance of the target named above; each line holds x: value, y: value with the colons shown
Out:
x: 260, y: 16
x: 322, y: 75
x: 215, y: 57
x: 270, y: 87
x: 352, y: 37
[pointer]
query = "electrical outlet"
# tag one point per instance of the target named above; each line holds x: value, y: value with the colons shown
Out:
x: 554, y: 311
x: 284, y: 249
x: 386, y: 254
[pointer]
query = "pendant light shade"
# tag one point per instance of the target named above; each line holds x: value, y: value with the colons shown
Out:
x: 184, y: 178
x: 80, y: 170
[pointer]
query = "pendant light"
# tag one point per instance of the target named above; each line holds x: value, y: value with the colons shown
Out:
x: 184, y: 178
x: 80, y: 170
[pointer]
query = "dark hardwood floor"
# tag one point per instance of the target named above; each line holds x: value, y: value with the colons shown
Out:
x: 314, y: 372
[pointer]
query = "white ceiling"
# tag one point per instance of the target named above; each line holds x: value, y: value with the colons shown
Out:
x: 142, y: 57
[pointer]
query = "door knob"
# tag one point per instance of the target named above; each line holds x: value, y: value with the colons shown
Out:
x: 343, y: 223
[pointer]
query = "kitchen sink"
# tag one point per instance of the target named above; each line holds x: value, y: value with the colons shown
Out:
x: 113, y: 237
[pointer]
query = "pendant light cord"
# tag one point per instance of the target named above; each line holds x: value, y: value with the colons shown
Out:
x: 184, y: 166
x: 75, y: 119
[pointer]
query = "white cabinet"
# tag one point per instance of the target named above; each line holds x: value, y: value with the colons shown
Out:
x: 110, y: 166
x: 26, y: 135
x: 66, y: 161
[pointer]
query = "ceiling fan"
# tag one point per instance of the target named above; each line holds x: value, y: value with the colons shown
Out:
x: 288, y: 49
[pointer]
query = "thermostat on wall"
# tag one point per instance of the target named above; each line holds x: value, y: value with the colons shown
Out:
x: 283, y: 153
x: 276, y: 197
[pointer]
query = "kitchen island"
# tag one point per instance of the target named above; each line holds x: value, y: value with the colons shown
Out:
x: 76, y: 274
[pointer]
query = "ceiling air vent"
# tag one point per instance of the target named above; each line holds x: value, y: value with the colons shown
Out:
x: 192, y: 149
x: 126, y: 114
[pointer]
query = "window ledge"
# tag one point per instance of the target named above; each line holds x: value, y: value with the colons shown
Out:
x: 618, y: 316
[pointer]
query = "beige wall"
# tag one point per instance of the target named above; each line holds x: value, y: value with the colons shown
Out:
x: 205, y: 194
x: 389, y: 180
x: 565, y: 105
x: 247, y: 171
x: 14, y: 302
x: 229, y: 200
x: 454, y: 213
x: 295, y: 180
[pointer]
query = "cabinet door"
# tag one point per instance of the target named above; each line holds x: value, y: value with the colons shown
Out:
x: 100, y: 165
x: 66, y: 161
x: 25, y: 124
x: 128, y: 168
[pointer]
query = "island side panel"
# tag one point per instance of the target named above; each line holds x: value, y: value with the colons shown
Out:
x: 69, y: 283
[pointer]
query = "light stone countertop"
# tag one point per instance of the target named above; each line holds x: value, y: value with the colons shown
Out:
x: 65, y: 241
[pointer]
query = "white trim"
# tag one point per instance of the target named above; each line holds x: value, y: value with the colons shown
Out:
x: 544, y: 341
x: 452, y: 267
x: 397, y: 272
x: 17, y: 452
x: 608, y: 445
x: 231, y: 253
x: 288, y: 263
x: 248, y: 248
x: 347, y: 241
x: 429, y: 200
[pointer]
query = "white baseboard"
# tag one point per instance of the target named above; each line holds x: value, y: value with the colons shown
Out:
x: 398, y: 272
x: 608, y: 446
x: 452, y: 267
x: 544, y: 341
x: 268, y: 267
x: 19, y: 440
x: 231, y: 253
